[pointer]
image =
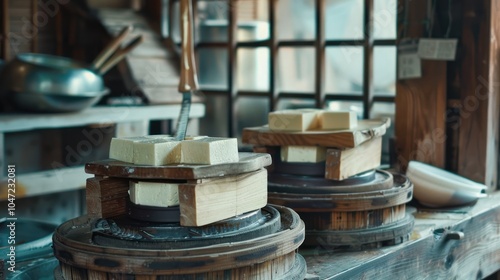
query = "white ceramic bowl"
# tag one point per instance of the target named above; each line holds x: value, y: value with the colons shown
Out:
x: 435, y: 187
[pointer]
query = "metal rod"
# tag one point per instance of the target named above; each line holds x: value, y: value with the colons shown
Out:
x: 34, y: 38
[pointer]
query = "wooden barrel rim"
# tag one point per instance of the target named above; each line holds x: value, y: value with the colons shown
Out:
x: 331, y: 239
x: 400, y: 193
x: 113, y: 168
x: 383, y: 180
x: 188, y: 261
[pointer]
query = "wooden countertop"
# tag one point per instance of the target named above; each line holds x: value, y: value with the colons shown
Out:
x: 458, y: 243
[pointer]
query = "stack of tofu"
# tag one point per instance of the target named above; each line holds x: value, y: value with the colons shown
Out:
x: 314, y: 127
x: 201, y: 201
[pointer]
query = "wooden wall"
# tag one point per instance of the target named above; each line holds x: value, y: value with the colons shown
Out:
x: 468, y: 86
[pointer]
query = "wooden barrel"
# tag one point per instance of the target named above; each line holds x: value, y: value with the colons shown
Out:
x: 353, y: 220
x: 272, y: 256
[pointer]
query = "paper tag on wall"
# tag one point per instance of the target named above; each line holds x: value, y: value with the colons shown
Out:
x: 437, y: 49
x: 408, y: 60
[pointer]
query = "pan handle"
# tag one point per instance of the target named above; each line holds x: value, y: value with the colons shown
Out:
x: 120, y: 54
x: 188, y: 79
x: 110, y: 48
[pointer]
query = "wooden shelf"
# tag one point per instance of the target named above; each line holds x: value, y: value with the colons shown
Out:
x: 71, y: 178
x: 94, y: 115
x: 436, y: 249
x: 46, y: 182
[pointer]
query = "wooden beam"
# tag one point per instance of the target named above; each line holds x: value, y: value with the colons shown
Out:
x: 5, y: 30
x: 479, y: 66
x: 420, y: 103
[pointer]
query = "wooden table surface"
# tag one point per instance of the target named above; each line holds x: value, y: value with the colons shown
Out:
x: 458, y: 243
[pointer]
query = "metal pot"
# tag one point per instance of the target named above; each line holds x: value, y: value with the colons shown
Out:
x: 48, y: 74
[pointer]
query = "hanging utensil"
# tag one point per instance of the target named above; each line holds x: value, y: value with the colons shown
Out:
x: 188, y: 82
x: 120, y: 54
x: 110, y: 48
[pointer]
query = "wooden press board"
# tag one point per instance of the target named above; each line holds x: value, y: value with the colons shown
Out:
x: 366, y: 130
x: 114, y: 168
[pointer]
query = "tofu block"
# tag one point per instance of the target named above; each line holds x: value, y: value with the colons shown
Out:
x: 157, y: 152
x: 193, y: 137
x: 303, y: 154
x: 210, y: 150
x: 154, y: 193
x: 294, y: 120
x: 332, y: 120
x: 123, y: 148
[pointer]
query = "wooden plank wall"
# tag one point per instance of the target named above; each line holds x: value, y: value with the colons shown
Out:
x: 420, y: 103
x: 479, y: 66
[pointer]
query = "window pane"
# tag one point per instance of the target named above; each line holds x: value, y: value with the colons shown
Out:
x: 344, y: 19
x: 384, y: 19
x: 384, y: 71
x: 214, y: 123
x: 212, y: 68
x: 295, y: 20
x: 250, y: 112
x: 295, y: 103
x: 253, y: 69
x: 296, y: 69
x: 344, y: 70
x: 346, y: 106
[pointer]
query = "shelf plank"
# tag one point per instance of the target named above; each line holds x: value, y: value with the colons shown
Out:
x: 46, y: 182
x: 95, y: 115
x: 430, y: 254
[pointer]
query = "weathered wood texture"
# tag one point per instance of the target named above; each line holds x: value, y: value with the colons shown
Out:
x: 248, y: 162
x: 213, y: 200
x: 366, y: 130
x: 106, y: 197
x: 342, y: 164
x: 420, y: 103
x: 271, y: 256
x: 479, y: 76
x: 430, y: 254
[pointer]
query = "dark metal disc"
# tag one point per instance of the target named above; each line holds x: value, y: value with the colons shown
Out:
x: 130, y: 233
x: 369, y: 181
x: 299, y: 168
x: 154, y: 214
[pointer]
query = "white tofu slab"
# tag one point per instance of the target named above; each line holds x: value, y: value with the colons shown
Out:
x: 157, y: 152
x: 303, y: 154
x: 333, y: 120
x: 294, y: 120
x: 209, y: 150
x: 154, y: 193
x: 123, y: 148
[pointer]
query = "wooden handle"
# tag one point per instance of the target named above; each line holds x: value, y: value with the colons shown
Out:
x: 120, y: 54
x: 188, y: 79
x: 110, y: 48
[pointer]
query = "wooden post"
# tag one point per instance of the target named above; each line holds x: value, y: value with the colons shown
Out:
x: 479, y: 65
x: 420, y: 103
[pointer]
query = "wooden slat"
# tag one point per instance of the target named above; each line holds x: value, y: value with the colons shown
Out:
x: 5, y: 29
x: 342, y: 164
x: 368, y: 89
x: 106, y: 198
x: 421, y: 104
x: 366, y: 130
x: 479, y: 92
x: 319, y: 80
x: 214, y: 200
x: 248, y: 162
